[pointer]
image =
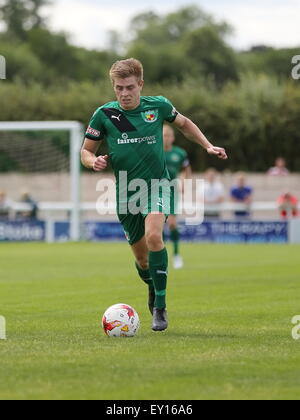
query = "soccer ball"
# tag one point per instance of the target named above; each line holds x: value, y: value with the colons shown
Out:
x: 120, y: 320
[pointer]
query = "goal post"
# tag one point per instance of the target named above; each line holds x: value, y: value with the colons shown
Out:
x: 76, y: 133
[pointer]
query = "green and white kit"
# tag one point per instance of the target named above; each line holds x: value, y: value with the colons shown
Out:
x: 136, y: 151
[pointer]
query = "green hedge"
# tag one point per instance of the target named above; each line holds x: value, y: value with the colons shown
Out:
x: 256, y: 119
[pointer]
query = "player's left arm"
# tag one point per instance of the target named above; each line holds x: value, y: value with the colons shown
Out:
x: 193, y: 133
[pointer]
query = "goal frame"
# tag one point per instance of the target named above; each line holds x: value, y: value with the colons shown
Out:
x: 76, y: 131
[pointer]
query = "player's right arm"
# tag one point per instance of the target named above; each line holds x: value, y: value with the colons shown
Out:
x: 89, y: 158
x: 93, y: 139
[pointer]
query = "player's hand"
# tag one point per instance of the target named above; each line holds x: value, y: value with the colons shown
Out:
x: 100, y: 163
x: 217, y: 151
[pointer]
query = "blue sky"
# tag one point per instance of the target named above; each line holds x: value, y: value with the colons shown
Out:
x: 271, y: 22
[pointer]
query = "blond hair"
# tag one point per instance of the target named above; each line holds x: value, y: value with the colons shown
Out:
x: 127, y: 68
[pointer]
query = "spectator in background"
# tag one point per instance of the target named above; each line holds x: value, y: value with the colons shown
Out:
x: 5, y: 206
x: 288, y: 205
x: 33, y: 207
x: 242, y: 194
x: 279, y: 169
x: 214, y: 194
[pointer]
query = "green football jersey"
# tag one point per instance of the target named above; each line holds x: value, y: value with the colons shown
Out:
x: 177, y: 160
x: 134, y: 138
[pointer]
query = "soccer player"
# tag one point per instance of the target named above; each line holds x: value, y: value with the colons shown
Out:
x: 133, y: 129
x: 177, y: 164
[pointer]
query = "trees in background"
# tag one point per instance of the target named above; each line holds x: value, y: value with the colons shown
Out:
x: 256, y: 119
x: 20, y: 16
x: 184, y: 43
x: 34, y: 53
x: 245, y: 101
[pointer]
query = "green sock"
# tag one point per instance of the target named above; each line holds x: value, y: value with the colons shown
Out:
x: 175, y: 237
x: 145, y: 276
x: 158, y: 262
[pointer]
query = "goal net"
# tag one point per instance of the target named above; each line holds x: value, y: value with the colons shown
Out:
x: 40, y: 172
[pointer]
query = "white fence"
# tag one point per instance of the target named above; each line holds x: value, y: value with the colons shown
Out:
x: 50, y: 207
x: 50, y: 210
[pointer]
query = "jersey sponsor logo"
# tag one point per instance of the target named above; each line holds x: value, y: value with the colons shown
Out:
x: 116, y: 117
x: 119, y: 120
x: 93, y: 132
x: 126, y: 140
x: 150, y: 116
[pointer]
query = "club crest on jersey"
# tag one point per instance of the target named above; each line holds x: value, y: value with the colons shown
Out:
x: 150, y: 116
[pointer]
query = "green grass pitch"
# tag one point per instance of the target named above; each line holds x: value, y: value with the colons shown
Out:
x: 230, y: 334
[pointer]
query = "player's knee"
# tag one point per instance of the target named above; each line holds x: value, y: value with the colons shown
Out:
x: 154, y: 240
x: 143, y: 262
